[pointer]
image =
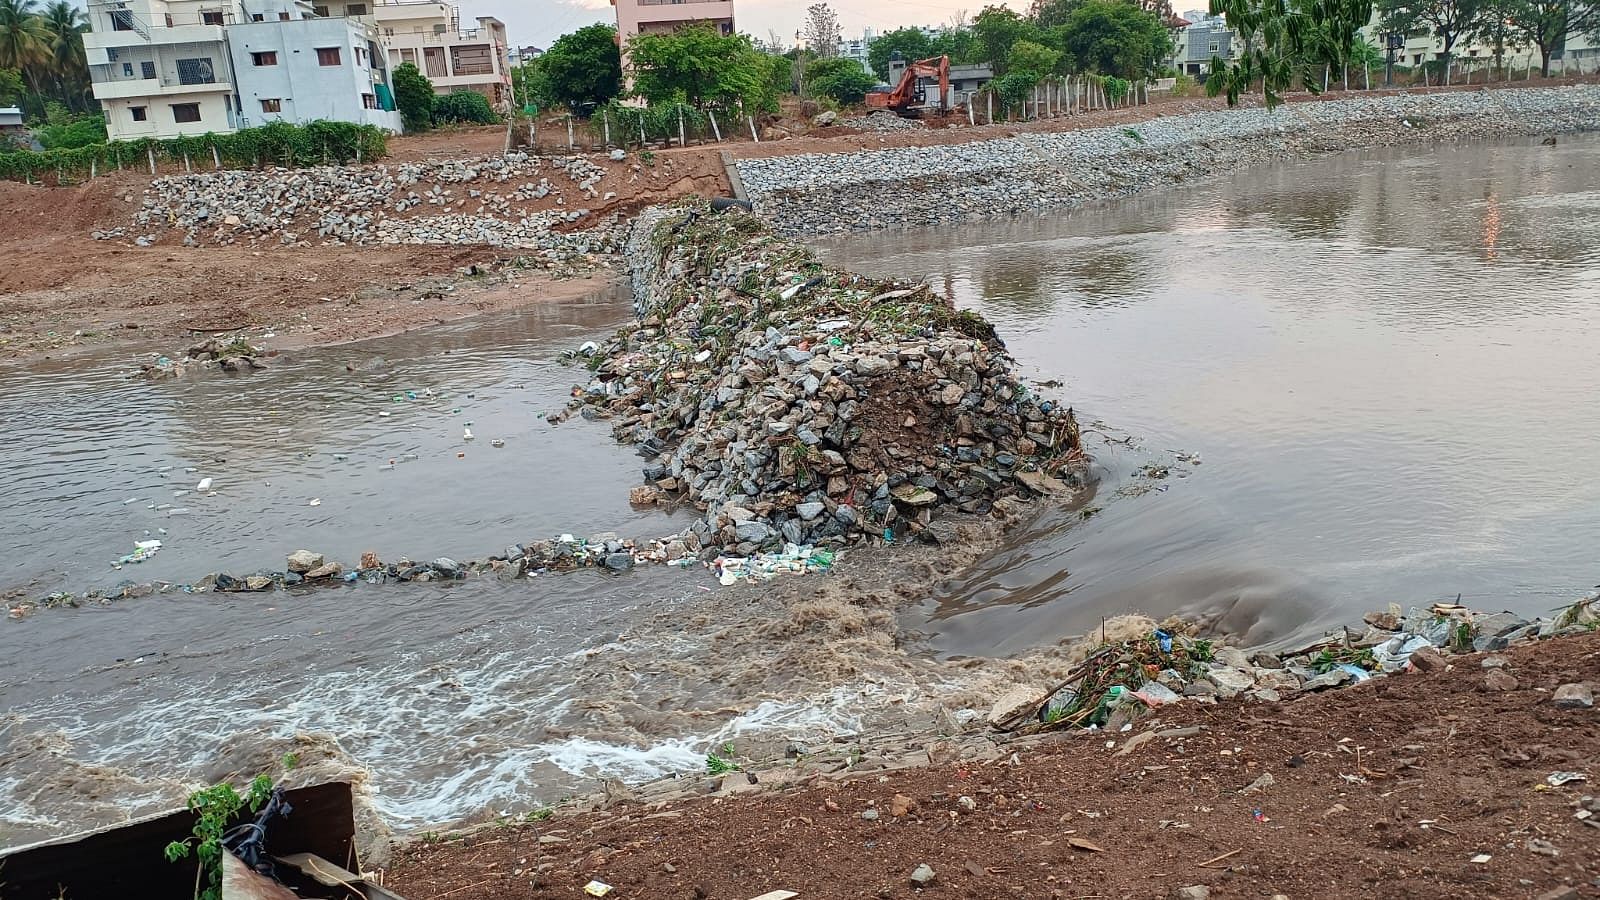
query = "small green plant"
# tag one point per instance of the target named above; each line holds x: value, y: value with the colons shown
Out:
x: 648, y: 157
x: 541, y: 814
x: 1461, y: 637
x: 721, y: 763
x: 1133, y: 135
x: 290, y: 760
x: 214, y: 808
x: 1332, y: 657
x: 1202, y: 651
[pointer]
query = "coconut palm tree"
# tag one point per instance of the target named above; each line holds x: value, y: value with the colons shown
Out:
x: 66, y: 62
x: 24, y: 41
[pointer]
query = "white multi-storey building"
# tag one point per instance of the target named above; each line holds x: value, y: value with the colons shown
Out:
x: 167, y: 68
x: 428, y: 34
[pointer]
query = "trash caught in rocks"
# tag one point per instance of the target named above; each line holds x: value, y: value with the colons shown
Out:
x: 793, y: 560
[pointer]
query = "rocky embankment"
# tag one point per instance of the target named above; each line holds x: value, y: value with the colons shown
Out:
x: 800, y: 404
x: 836, y: 192
x: 516, y: 200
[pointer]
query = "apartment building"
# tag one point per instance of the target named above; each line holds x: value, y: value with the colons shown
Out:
x: 428, y: 34
x: 636, y: 17
x: 167, y: 68
x: 857, y: 48
x: 1579, y: 54
x: 1199, y: 37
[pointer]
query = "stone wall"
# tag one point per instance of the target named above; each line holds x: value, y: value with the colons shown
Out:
x: 823, y: 193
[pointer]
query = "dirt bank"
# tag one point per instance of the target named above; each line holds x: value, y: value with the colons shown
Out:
x: 61, y: 289
x: 1389, y: 789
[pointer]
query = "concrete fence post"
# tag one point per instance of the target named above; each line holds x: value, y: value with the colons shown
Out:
x: 714, y: 129
x: 150, y: 150
x: 682, y: 140
x: 988, y: 99
x: 216, y: 158
x: 753, y: 136
x: 571, y: 138
x: 605, y: 121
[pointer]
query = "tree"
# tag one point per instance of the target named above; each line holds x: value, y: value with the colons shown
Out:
x: 910, y: 43
x: 24, y: 40
x: 67, y: 65
x: 1033, y: 58
x: 996, y: 30
x: 583, y: 69
x: 1448, y: 20
x: 1114, y: 37
x: 10, y: 87
x: 413, y: 94
x: 822, y: 30
x: 702, y: 67
x: 1050, y: 13
x: 842, y: 79
x: 1547, y: 24
x: 1281, y: 39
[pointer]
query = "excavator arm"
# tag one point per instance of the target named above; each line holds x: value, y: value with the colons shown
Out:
x: 900, y: 99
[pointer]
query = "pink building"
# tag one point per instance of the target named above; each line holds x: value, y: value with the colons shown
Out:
x: 636, y: 17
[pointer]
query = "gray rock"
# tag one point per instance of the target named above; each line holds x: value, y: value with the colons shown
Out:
x: 1230, y: 681
x: 619, y: 562
x: 809, y: 511
x: 1575, y: 695
x: 922, y: 876
x: 1192, y: 892
x: 446, y: 566
x: 1329, y: 679
x: 303, y: 561
x: 871, y: 815
x: 754, y: 532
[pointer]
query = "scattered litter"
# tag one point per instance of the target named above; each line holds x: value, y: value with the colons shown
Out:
x: 497, y: 442
x: 597, y: 888
x: 1087, y: 846
x: 777, y: 895
x: 1557, y: 779
x: 315, y: 501
x: 795, y: 559
x: 203, y: 486
x: 142, y: 550
x: 1481, y: 858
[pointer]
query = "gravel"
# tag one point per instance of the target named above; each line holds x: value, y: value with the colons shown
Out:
x: 838, y: 192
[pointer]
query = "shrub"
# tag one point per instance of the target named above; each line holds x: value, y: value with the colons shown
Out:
x: 413, y: 94
x: 463, y: 107
x: 841, y: 79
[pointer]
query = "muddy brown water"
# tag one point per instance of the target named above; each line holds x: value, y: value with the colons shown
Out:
x: 1383, y: 360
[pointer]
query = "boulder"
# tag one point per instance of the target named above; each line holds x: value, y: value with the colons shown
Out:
x: 303, y: 561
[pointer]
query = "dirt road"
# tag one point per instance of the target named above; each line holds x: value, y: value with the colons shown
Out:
x: 1420, y: 785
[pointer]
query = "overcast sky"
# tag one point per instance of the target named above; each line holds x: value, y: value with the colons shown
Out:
x: 539, y: 22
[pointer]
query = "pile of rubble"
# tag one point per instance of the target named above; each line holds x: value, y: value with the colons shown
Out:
x: 228, y: 354
x: 798, y: 404
x: 883, y: 120
x: 483, y: 200
x: 1119, y: 681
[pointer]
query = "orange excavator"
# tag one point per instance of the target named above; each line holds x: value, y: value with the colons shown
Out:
x: 909, y: 96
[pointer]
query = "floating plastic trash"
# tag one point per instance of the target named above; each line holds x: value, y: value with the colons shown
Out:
x: 794, y: 560
x: 142, y: 550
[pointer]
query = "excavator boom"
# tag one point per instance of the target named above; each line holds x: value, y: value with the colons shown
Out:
x: 902, y: 99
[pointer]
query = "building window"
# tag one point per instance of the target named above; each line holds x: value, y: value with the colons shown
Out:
x: 196, y: 71
x: 321, y: 12
x: 1216, y: 46
x: 185, y: 112
x: 370, y: 101
x: 327, y: 56
x: 139, y: 113
x: 211, y: 18
x: 361, y: 57
x: 283, y: 17
x: 271, y: 106
x: 388, y: 32
x: 258, y: 17
x: 127, y: 70
x: 121, y: 20
x: 147, y: 69
x: 355, y: 9
x: 168, y: 17
x: 265, y: 58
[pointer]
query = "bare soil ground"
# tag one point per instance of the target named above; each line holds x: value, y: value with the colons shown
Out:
x: 61, y: 290
x: 1419, y: 785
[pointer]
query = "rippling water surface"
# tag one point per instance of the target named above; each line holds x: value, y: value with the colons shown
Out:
x: 1384, y: 360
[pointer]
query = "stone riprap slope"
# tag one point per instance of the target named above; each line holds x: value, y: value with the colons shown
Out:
x: 516, y: 201
x: 834, y: 192
x: 802, y: 404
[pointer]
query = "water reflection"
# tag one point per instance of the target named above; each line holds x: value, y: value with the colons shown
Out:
x: 1384, y: 359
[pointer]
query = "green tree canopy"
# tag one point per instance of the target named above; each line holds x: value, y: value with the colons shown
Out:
x: 1449, y: 21
x: 911, y: 42
x: 702, y: 67
x: 10, y: 87
x: 583, y: 69
x: 1114, y: 37
x: 1282, y: 39
x: 1033, y: 58
x: 842, y: 79
x: 996, y: 30
x: 1546, y: 23
x: 413, y: 94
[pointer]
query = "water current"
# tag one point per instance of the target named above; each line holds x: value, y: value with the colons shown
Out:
x: 1383, y: 361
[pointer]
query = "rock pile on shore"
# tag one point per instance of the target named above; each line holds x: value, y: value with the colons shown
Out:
x: 799, y: 404
x: 836, y: 192
x: 483, y: 200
